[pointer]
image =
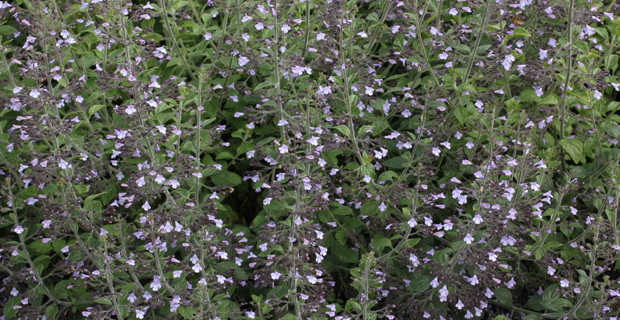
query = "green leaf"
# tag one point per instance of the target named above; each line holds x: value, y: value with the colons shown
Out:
x: 94, y: 206
x: 396, y: 163
x: 613, y: 130
x: 224, y: 156
x: 556, y: 305
x: 461, y: 114
x: 81, y: 188
x: 226, y: 178
x: 497, y: 26
x: 186, y: 313
x: 342, y: 211
x: 105, y: 301
x: 341, y: 237
x: 257, y: 299
x: 370, y: 208
x: 520, y: 32
x: 504, y: 296
x: 582, y: 46
x: 59, y: 244
x: 551, y: 293
x: 39, y: 247
x: 573, y: 147
x: 611, y: 63
x: 551, y: 100
x: 9, y: 312
x: 399, y: 41
x: 379, y: 242
x: 4, y: 30
x: 458, y: 245
x: 344, y: 130
x: 331, y: 156
x: 226, y: 306
x: 364, y: 129
x: 345, y: 254
x: 368, y: 169
x: 412, y: 242
x: 352, y: 305
x: 420, y: 283
x: 534, y: 303
x: 51, y: 312
x: 467, y: 87
x: 529, y: 95
x: 93, y: 109
x: 388, y: 175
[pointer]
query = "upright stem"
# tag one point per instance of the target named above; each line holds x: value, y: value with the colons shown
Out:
x: 614, y: 226
x: 347, y: 100
x: 568, y: 76
x: 109, y: 279
x: 438, y: 22
x: 277, y: 67
x: 204, y: 275
x: 162, y: 4
x: 8, y: 68
x: 22, y: 243
x: 478, y: 38
x: 305, y: 51
x: 366, y: 292
x: 198, y: 129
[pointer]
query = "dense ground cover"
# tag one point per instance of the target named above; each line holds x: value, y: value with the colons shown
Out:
x: 324, y: 159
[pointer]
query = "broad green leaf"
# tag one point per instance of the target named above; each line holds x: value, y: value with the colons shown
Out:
x: 504, y: 296
x: 520, y: 32
x: 345, y: 254
x: 5, y: 30
x: 573, y: 147
x: 379, y: 242
x: 461, y: 113
x: 342, y: 211
x: 529, y: 95
x: 396, y: 163
x: 344, y: 130
x: 226, y: 178
x: 420, y: 283
x: 551, y: 293
x: 93, y: 109
x: 51, y: 311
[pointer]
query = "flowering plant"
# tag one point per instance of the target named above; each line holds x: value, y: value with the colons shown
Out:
x: 312, y: 159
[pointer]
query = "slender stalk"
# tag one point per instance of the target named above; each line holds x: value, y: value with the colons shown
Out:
x: 109, y: 280
x: 347, y: 100
x: 276, y: 64
x: 121, y: 238
x: 8, y: 68
x: 366, y: 293
x: 438, y: 22
x: 204, y: 275
x: 551, y: 223
x: 414, y: 212
x: 162, y: 4
x: 478, y: 38
x: 22, y: 243
x: 567, y: 80
x: 305, y: 50
x: 198, y: 130
x: 427, y: 63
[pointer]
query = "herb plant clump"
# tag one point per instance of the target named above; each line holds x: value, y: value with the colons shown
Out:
x: 309, y: 159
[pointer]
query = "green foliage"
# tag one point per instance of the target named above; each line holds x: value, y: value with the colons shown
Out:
x: 309, y: 159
